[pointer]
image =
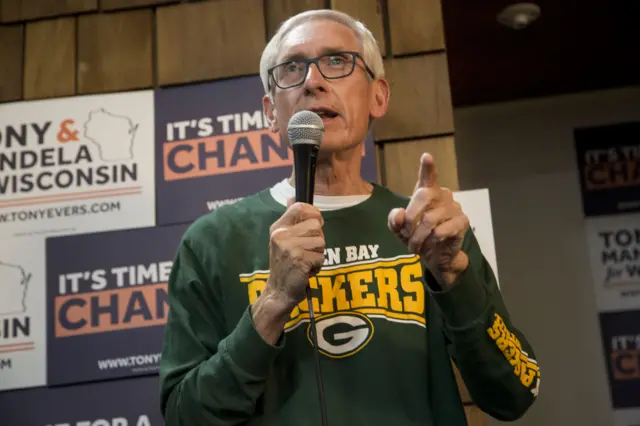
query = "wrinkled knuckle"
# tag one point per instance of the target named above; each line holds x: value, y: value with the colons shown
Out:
x: 311, y: 228
x: 427, y: 218
x: 422, y: 192
x: 321, y: 243
x: 296, y: 254
x: 439, y: 232
x: 296, y: 208
x: 433, y: 198
x: 278, y: 234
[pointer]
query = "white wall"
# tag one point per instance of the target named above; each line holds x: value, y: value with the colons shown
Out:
x: 524, y: 153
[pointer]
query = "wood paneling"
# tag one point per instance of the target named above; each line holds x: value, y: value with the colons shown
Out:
x: 475, y: 417
x: 369, y: 12
x: 11, y: 40
x: 125, y: 4
x: 50, y: 58
x: 415, y: 26
x: 279, y: 10
x: 420, y: 103
x: 402, y: 162
x: 201, y: 41
x: 18, y: 10
x: 464, y: 392
x: 115, y: 51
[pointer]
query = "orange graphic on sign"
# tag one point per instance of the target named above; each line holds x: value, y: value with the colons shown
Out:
x: 111, y: 310
x: 617, y: 174
x: 237, y: 152
x: 626, y: 364
x: 65, y: 134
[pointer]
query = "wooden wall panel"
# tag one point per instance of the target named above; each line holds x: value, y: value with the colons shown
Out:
x: 50, y: 58
x: 420, y: 103
x: 279, y: 10
x: 19, y: 10
x: 11, y: 40
x: 475, y: 417
x: 126, y: 4
x: 464, y: 392
x: 369, y: 12
x: 202, y: 41
x: 415, y: 26
x: 115, y: 51
x: 402, y: 162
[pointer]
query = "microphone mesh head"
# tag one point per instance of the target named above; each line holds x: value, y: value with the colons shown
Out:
x: 305, y: 126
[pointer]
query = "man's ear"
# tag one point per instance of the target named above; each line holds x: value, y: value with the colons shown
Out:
x: 269, y: 109
x: 379, y: 98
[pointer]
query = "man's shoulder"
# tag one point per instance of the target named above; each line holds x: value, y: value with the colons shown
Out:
x: 392, y: 198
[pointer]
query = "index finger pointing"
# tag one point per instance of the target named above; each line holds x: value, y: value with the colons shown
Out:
x: 428, y: 174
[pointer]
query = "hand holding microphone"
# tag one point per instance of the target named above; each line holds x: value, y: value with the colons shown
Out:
x: 296, y: 251
x: 296, y: 239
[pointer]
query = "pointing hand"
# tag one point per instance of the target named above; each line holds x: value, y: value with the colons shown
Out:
x: 433, y: 225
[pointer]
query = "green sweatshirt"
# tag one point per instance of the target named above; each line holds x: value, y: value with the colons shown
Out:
x: 385, y: 332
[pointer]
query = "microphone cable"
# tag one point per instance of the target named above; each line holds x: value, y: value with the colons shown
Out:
x: 314, y: 340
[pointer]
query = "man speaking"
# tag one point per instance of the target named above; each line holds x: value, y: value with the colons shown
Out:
x: 346, y: 311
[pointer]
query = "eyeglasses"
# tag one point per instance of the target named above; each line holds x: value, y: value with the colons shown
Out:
x: 331, y: 65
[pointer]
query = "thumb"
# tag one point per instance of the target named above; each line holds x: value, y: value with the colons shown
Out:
x: 396, y: 220
x: 291, y: 201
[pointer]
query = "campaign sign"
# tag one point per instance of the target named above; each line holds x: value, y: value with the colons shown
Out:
x: 214, y: 147
x: 131, y: 402
x: 22, y: 313
x: 609, y: 168
x: 614, y: 249
x: 107, y: 302
x: 621, y: 340
x: 77, y: 164
x: 477, y: 206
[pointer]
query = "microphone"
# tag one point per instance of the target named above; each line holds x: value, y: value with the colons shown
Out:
x: 305, y: 130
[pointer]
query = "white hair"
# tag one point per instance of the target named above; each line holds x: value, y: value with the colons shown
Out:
x: 368, y: 44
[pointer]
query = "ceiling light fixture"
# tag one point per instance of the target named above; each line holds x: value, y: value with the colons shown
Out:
x: 519, y: 15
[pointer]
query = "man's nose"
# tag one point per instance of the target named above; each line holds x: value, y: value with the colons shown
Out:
x: 314, y: 80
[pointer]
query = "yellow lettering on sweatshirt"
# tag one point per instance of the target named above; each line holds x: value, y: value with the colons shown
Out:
x: 525, y: 368
x: 389, y: 288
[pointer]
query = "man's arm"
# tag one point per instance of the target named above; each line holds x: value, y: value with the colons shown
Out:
x: 496, y: 361
x: 208, y: 376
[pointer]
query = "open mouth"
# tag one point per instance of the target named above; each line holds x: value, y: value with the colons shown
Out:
x: 324, y: 113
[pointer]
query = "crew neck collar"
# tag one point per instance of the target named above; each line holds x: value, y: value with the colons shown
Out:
x: 360, y: 206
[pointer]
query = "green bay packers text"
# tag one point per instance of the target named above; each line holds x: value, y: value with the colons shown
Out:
x: 386, y: 288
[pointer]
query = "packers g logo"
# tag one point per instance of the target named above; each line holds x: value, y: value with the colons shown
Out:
x: 342, y: 334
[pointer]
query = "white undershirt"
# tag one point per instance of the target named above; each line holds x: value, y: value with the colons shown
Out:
x: 283, y: 190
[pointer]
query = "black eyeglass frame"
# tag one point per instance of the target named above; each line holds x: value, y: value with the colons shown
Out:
x: 309, y: 61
